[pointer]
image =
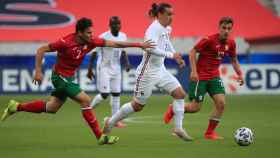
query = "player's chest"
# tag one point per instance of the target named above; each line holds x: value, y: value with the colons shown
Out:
x: 77, y: 52
x: 219, y: 51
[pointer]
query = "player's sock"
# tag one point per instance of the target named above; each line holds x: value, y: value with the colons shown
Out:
x: 178, y: 109
x: 90, y: 117
x: 213, y: 123
x: 124, y: 111
x: 115, y: 103
x: 34, y: 106
x: 96, y: 100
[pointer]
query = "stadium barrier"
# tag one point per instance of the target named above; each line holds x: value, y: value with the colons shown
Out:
x: 16, y: 76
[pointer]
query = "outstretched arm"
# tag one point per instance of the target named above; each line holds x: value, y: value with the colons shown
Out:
x: 236, y: 66
x: 121, y: 44
x: 38, y: 63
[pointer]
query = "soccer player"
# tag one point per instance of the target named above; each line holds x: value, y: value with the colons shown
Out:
x: 109, y: 68
x: 205, y: 78
x: 71, y: 50
x: 151, y: 72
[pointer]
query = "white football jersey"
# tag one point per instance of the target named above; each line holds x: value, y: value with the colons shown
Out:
x: 107, y: 56
x: 154, y: 60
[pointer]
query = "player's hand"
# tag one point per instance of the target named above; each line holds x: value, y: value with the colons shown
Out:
x: 38, y: 77
x: 178, y: 58
x: 147, y: 44
x: 90, y: 74
x: 240, y: 80
x: 194, y: 76
x: 127, y: 67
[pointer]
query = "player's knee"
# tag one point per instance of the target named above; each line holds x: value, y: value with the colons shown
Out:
x: 137, y: 107
x: 116, y: 94
x: 179, y: 94
x: 220, y: 106
x: 104, y: 95
x: 51, y: 110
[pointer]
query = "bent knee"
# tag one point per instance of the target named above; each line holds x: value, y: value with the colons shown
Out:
x: 137, y: 107
x: 104, y: 95
x: 220, y: 106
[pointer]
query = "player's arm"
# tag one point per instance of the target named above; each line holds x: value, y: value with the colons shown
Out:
x: 124, y: 57
x: 90, y: 73
x: 121, y: 44
x: 192, y: 60
x: 38, y: 63
x: 236, y: 66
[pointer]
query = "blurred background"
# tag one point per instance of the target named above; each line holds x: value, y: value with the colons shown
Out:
x: 25, y: 25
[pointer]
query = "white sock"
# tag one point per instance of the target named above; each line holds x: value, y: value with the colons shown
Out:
x: 115, y: 104
x: 124, y: 111
x: 96, y: 100
x: 178, y: 108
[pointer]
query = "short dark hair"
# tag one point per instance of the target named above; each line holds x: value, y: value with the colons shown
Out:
x: 114, y: 19
x: 226, y: 20
x: 82, y: 24
x: 158, y: 8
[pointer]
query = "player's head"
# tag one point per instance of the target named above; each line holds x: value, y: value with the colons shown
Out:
x: 225, y: 27
x: 115, y: 25
x: 163, y: 12
x: 84, y: 29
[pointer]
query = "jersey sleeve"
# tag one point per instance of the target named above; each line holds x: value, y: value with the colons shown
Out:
x: 58, y: 45
x: 232, y: 49
x: 97, y: 42
x: 202, y: 45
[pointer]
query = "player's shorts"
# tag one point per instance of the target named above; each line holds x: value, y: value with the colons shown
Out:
x: 146, y: 82
x: 108, y: 82
x: 198, y: 89
x: 64, y: 87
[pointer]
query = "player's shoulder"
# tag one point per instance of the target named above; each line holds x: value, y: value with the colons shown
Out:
x: 154, y: 28
x: 231, y: 41
x: 67, y: 39
x: 122, y: 34
x: 104, y: 34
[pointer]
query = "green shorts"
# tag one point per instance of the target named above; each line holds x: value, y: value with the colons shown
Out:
x: 64, y: 87
x: 198, y: 89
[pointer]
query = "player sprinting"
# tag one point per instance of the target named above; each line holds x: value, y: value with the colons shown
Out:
x: 205, y: 77
x: 71, y: 51
x: 151, y: 72
x: 109, y: 68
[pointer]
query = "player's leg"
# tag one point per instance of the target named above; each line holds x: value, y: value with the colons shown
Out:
x: 217, y: 92
x: 115, y: 97
x: 89, y: 116
x: 170, y: 84
x: 197, y: 91
x: 142, y: 91
x: 103, y: 86
x: 115, y: 85
x: 36, y: 106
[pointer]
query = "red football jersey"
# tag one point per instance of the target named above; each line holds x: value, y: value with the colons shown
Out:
x: 211, y: 52
x: 70, y: 54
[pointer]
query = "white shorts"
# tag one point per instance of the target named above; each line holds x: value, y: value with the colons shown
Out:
x: 146, y: 82
x: 108, y: 82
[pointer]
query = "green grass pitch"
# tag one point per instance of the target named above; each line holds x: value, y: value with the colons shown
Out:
x: 65, y: 134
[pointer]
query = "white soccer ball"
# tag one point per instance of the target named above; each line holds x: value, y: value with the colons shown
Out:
x: 244, y: 136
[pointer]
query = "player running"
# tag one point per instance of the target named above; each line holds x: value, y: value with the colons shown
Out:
x: 109, y: 68
x: 205, y: 77
x: 71, y: 51
x: 151, y: 72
